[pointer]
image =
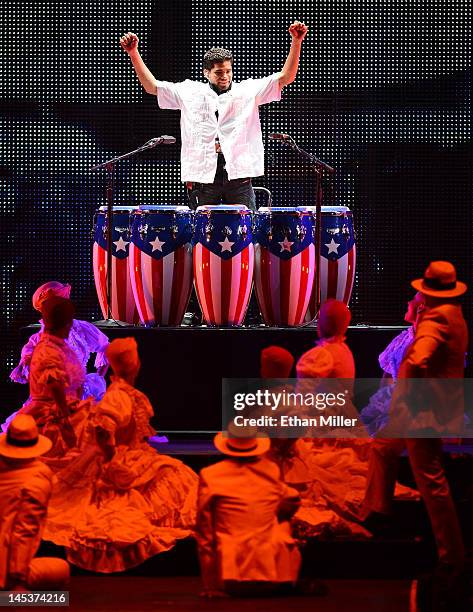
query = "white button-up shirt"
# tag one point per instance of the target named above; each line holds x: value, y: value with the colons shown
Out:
x: 237, y: 127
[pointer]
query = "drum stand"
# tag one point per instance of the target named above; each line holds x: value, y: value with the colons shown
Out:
x: 321, y: 170
x: 109, y: 166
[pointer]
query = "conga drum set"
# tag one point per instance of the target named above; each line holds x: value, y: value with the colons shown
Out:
x: 295, y: 257
x: 159, y: 252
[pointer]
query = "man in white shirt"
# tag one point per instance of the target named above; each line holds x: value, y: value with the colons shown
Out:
x: 222, y: 146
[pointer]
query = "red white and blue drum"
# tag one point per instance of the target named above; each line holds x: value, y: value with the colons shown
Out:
x: 161, y: 263
x: 223, y: 262
x: 123, y: 304
x: 337, y: 256
x: 284, y: 264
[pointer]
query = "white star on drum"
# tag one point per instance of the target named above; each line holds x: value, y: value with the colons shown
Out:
x: 226, y: 245
x: 332, y: 247
x: 285, y: 245
x: 157, y: 244
x: 120, y: 244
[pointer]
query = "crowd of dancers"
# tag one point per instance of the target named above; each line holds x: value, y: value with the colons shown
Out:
x: 76, y: 467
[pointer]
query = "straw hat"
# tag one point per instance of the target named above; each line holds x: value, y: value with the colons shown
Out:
x: 22, y: 440
x: 440, y: 280
x: 241, y: 441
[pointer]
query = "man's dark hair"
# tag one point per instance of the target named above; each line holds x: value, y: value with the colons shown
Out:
x: 57, y: 312
x: 216, y: 55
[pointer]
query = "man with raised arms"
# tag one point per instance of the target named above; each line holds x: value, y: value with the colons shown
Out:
x: 222, y: 146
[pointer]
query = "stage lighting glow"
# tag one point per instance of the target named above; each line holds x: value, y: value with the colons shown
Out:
x: 383, y: 95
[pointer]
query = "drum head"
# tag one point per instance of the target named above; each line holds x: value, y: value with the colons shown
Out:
x: 118, y: 208
x: 279, y: 209
x: 223, y: 208
x: 165, y: 208
x: 336, y: 210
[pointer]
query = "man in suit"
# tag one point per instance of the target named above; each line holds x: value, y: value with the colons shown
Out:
x: 25, y: 489
x: 437, y: 355
x: 243, y: 533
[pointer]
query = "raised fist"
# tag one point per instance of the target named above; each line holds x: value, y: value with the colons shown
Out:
x: 298, y: 30
x: 129, y: 42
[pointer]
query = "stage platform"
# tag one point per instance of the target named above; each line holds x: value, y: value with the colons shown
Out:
x: 182, y: 367
x: 404, y: 551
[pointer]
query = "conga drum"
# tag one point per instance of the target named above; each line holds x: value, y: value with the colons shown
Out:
x: 160, y: 263
x: 284, y: 264
x: 337, y: 256
x: 123, y: 304
x: 223, y: 262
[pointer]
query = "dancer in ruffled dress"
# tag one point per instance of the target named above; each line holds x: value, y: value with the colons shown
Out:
x: 56, y: 378
x: 329, y: 473
x: 121, y: 502
x: 84, y: 338
x: 375, y: 414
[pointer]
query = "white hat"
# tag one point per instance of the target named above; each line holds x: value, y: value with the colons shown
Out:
x: 241, y: 441
x: 22, y: 440
x: 440, y: 281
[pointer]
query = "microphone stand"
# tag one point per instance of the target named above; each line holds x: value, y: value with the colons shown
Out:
x: 109, y: 166
x: 320, y: 169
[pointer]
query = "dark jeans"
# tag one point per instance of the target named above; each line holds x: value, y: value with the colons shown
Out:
x: 222, y: 191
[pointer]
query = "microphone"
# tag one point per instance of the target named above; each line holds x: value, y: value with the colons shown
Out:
x: 288, y: 140
x: 166, y: 140
x: 278, y: 136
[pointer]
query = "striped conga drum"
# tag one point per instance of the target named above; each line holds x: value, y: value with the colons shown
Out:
x: 161, y: 263
x: 123, y: 304
x: 337, y: 256
x: 223, y: 262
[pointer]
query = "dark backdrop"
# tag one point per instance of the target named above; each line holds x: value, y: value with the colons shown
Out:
x: 383, y: 94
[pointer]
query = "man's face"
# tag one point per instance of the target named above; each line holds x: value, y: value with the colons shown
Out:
x: 220, y: 75
x: 414, y: 307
